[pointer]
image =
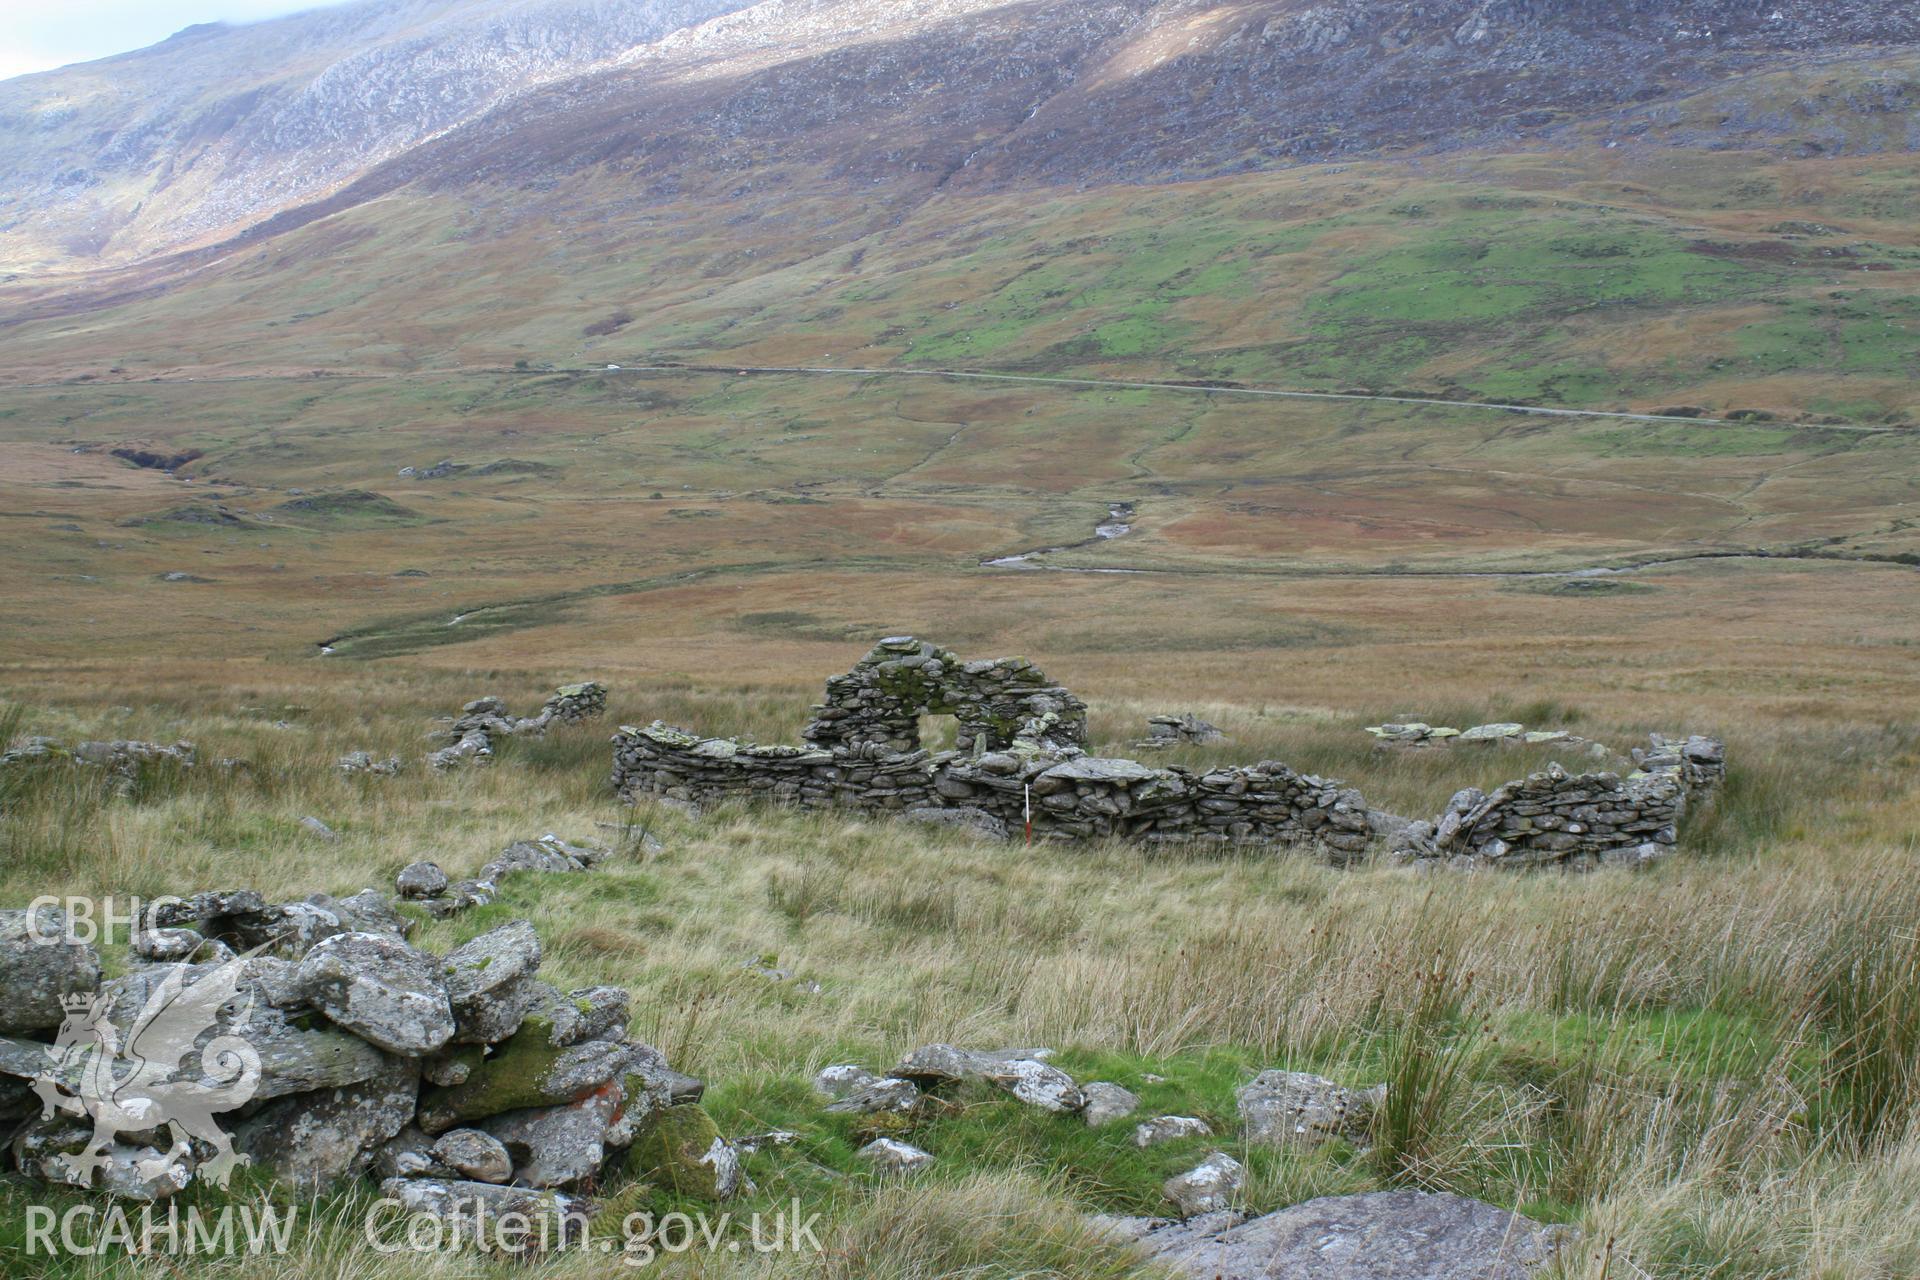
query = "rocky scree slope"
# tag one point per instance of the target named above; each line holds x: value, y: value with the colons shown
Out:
x: 216, y: 129
x: 219, y: 126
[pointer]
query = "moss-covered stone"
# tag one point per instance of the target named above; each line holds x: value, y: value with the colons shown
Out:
x: 525, y: 1070
x: 681, y: 1150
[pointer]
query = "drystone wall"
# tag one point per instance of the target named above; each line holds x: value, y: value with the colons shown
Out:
x: 314, y: 1040
x: 995, y: 702
x: 1020, y: 758
x: 661, y: 760
x: 1587, y: 819
x: 1021, y: 764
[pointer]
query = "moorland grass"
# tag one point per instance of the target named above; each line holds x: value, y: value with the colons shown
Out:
x: 1682, y: 1062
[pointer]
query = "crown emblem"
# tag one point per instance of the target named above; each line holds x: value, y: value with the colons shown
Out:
x: 77, y: 1001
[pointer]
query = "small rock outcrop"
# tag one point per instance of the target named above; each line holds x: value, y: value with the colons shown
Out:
x: 1384, y: 1235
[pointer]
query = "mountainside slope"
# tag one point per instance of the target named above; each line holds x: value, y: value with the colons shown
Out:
x: 221, y: 126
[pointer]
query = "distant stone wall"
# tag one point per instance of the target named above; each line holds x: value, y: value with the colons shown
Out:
x: 661, y: 760
x: 1583, y: 820
x: 881, y: 700
x: 470, y: 735
x: 1020, y: 750
x: 1021, y: 759
x: 1084, y: 797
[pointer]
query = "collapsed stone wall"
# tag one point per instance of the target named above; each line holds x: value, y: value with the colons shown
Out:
x: 1583, y: 820
x: 996, y: 701
x: 1022, y: 763
x: 470, y: 735
x: 1020, y: 751
x: 330, y: 1048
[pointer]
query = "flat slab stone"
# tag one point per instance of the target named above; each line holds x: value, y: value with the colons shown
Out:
x: 1100, y: 769
x: 1385, y: 1235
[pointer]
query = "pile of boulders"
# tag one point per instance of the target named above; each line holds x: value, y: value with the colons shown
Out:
x: 470, y: 736
x: 312, y: 1039
x: 1185, y: 729
x: 122, y: 762
x: 439, y: 896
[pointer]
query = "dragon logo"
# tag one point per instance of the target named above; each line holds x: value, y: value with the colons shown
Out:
x: 162, y: 1071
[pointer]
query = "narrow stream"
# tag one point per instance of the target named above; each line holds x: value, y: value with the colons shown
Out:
x: 1118, y: 524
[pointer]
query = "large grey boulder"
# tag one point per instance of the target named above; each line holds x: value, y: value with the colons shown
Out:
x: 1385, y: 1235
x: 490, y: 983
x: 1107, y: 1102
x: 1037, y: 1084
x: 471, y: 1154
x: 312, y: 1140
x: 39, y: 963
x: 1208, y: 1187
x: 1278, y: 1107
x: 558, y: 1146
x: 935, y: 1064
x: 379, y: 988
x: 292, y: 1059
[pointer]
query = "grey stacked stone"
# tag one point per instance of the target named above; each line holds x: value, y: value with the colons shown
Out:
x: 1581, y: 821
x: 1020, y: 762
x: 881, y: 700
x: 1185, y: 729
x: 352, y: 1053
x: 1021, y: 765
x: 662, y: 761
